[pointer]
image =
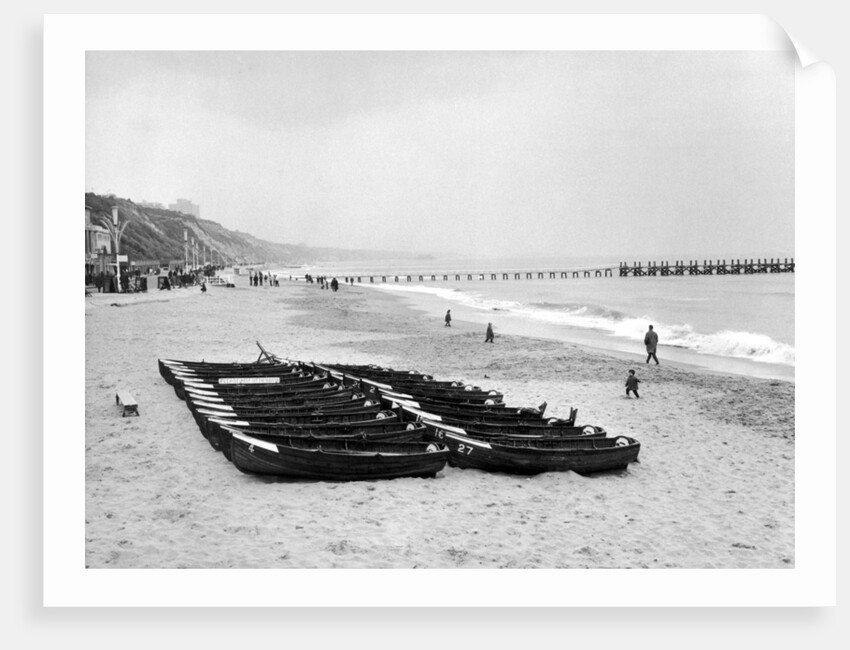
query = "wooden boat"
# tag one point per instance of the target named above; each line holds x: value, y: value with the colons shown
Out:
x: 320, y: 398
x: 265, y: 359
x: 246, y: 375
x: 536, y: 433
x: 485, y: 414
x: 312, y: 385
x: 240, y: 383
x: 495, y: 422
x: 216, y: 430
x: 337, y: 460
x: 419, y: 388
x: 552, y: 429
x: 210, y: 423
x: 242, y: 379
x: 377, y: 372
x: 398, y: 433
x: 467, y: 394
x: 583, y: 455
x: 402, y: 379
x: 352, y: 410
x: 202, y: 415
x: 168, y: 368
x: 248, y: 405
x: 321, y: 393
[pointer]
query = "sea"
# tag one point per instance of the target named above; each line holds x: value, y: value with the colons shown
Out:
x: 735, y: 324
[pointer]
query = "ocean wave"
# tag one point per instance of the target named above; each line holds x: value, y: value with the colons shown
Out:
x: 469, y: 299
x: 579, y: 309
x: 737, y: 344
x: 743, y: 345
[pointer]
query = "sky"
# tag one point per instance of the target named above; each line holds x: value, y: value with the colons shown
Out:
x: 634, y: 155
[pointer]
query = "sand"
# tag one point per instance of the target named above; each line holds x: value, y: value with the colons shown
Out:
x: 713, y: 488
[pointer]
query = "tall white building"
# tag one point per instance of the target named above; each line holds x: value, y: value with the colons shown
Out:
x: 186, y: 206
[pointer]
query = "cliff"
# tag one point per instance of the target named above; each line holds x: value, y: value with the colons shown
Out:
x: 157, y: 234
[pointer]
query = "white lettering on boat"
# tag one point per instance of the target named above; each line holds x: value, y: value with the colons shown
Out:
x: 469, y: 442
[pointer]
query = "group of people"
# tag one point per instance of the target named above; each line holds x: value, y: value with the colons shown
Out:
x: 177, y: 278
x: 104, y: 281
x: 650, y: 340
x: 134, y: 280
x: 259, y: 279
x: 181, y: 278
x: 324, y: 283
x: 108, y: 282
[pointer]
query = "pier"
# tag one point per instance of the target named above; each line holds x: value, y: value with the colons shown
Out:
x: 719, y: 267
x: 636, y: 269
x: 598, y: 272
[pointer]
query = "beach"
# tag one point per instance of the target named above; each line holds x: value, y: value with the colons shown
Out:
x: 713, y: 488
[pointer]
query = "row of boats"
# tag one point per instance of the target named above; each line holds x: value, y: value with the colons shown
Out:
x: 356, y: 422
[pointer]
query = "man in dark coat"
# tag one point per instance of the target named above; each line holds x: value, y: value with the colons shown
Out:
x: 651, y: 343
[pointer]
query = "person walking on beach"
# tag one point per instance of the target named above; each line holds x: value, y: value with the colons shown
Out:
x: 632, y: 384
x: 651, y: 343
x: 489, y: 337
x: 448, y: 318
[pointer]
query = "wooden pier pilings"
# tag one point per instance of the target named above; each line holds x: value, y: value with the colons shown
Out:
x: 719, y: 267
x: 636, y: 269
x: 515, y: 275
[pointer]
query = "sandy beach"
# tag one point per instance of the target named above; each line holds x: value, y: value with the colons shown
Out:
x: 713, y: 488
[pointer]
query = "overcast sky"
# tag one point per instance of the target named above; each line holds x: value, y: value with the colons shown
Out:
x: 623, y: 154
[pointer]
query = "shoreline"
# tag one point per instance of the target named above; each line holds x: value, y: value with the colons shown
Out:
x: 605, y: 344
x: 124, y: 300
x: 698, y: 497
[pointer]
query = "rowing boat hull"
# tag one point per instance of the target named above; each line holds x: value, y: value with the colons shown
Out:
x: 169, y: 367
x: 581, y: 455
x: 214, y: 428
x: 221, y: 438
x: 331, y: 463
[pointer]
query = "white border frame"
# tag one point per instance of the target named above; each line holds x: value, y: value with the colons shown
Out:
x: 68, y: 583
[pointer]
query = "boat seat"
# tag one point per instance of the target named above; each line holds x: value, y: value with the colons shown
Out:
x: 128, y: 403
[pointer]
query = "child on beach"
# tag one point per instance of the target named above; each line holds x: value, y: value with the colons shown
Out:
x: 448, y: 318
x: 632, y: 384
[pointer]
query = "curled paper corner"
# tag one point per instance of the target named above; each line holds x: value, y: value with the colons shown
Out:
x: 805, y: 56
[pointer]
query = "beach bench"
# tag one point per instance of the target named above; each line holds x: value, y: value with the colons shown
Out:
x: 128, y: 403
